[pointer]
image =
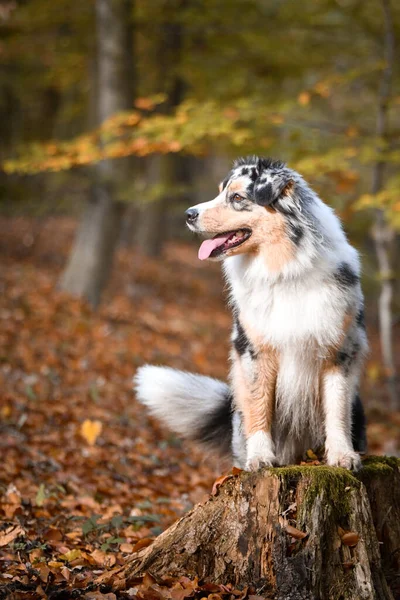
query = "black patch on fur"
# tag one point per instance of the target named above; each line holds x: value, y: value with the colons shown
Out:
x: 245, y: 171
x: 264, y: 195
x: 360, y: 318
x: 241, y: 341
x: 225, y: 181
x: 346, y: 356
x: 358, y: 426
x: 345, y: 276
x: 260, y: 162
x: 296, y: 234
x: 217, y: 429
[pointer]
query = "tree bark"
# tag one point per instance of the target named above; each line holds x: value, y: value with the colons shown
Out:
x: 164, y: 170
x: 382, y: 233
x: 92, y: 255
x: 294, y: 533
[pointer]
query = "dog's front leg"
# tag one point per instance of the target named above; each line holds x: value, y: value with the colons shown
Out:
x: 254, y: 389
x: 337, y: 394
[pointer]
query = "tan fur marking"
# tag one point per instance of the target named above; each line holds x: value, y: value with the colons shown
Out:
x: 260, y: 412
x: 255, y: 397
x: 289, y: 187
x: 278, y: 249
x: 236, y: 186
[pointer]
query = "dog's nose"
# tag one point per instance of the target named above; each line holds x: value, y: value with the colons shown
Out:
x: 191, y: 215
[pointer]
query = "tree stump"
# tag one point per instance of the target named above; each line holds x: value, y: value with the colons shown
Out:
x: 299, y: 532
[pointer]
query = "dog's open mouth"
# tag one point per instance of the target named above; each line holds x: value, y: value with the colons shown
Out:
x: 222, y: 242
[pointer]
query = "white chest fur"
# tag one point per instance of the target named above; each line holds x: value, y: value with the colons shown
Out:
x: 287, y: 314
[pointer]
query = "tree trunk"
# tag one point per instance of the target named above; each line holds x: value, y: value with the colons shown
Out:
x: 92, y: 256
x: 382, y: 233
x: 164, y: 170
x: 293, y: 533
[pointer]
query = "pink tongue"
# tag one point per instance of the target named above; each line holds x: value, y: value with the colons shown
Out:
x: 209, y: 245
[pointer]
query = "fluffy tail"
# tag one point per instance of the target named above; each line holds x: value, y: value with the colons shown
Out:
x: 195, y: 406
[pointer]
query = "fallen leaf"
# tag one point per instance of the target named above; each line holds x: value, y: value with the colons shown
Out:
x: 90, y: 431
x: 311, y: 454
x: 44, y: 572
x: 103, y: 559
x: 41, y: 495
x: 71, y: 555
x: 142, y: 544
x: 236, y: 471
x: 350, y: 538
x: 296, y: 533
x: 10, y: 534
x: 125, y: 547
x: 218, y: 482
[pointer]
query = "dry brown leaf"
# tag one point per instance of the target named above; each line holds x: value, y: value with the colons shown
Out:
x: 350, y: 538
x: 103, y: 559
x: 236, y: 471
x: 218, y: 482
x: 10, y: 534
x: 143, y: 543
x: 125, y: 547
x: 296, y: 533
x: 44, y: 572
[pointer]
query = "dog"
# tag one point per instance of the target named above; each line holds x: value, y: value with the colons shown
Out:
x: 298, y: 338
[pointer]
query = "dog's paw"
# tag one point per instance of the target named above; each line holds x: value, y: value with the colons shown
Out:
x: 256, y: 462
x: 260, y: 451
x: 347, y: 460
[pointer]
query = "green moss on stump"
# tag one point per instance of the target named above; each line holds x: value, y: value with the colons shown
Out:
x: 330, y: 484
x: 382, y: 465
x: 333, y: 485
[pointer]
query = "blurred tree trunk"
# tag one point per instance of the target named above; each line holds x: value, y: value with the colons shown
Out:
x: 91, y: 258
x: 164, y: 170
x: 382, y: 232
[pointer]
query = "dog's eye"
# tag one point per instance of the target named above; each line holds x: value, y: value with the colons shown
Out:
x: 237, y: 198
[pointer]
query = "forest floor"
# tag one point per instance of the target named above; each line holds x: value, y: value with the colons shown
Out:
x: 86, y: 477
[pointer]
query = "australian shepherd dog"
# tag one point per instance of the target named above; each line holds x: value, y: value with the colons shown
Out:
x: 298, y: 338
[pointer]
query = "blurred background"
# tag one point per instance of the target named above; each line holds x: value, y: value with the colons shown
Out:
x: 115, y: 116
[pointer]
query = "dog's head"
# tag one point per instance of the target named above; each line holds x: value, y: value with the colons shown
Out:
x: 254, y: 211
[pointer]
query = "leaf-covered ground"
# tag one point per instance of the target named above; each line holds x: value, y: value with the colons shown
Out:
x: 86, y: 478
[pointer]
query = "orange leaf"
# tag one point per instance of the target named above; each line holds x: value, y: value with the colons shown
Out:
x: 218, y: 482
x: 142, y: 544
x: 236, y: 471
x: 296, y: 533
x: 90, y: 431
x: 350, y: 538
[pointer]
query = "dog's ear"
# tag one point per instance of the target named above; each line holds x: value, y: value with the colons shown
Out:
x: 269, y: 190
x: 223, y: 184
